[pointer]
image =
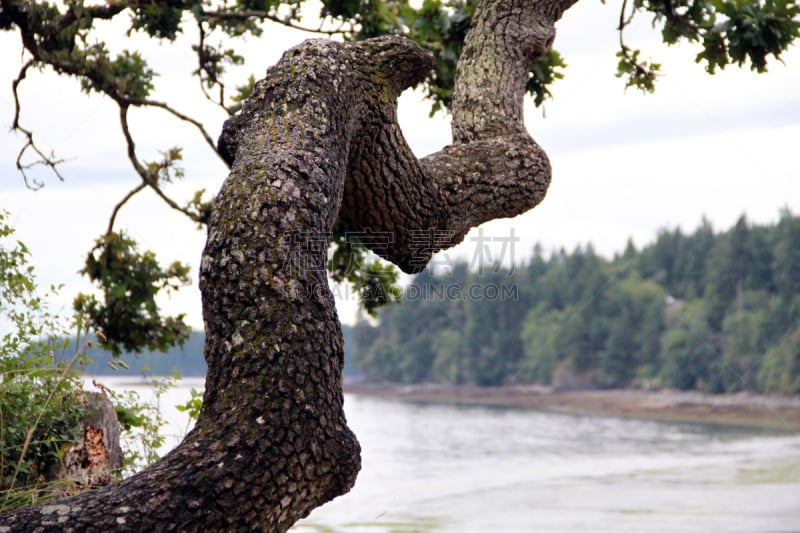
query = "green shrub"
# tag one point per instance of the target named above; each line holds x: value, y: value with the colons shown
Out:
x: 40, y: 399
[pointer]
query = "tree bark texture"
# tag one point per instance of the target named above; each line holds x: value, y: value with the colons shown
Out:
x: 319, y: 139
x: 97, y: 458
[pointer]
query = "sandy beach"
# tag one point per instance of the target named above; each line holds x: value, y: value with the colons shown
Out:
x: 745, y: 409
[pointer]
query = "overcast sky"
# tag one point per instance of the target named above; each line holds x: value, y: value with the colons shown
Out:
x: 624, y: 164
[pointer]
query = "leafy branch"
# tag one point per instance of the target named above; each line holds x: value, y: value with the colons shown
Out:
x: 638, y: 73
x: 130, y: 281
x: 728, y: 31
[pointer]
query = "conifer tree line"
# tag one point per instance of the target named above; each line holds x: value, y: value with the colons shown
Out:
x: 711, y: 311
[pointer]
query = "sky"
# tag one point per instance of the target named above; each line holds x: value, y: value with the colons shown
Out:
x: 625, y: 165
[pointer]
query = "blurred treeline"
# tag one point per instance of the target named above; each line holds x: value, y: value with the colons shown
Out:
x: 718, y: 312
x: 184, y: 360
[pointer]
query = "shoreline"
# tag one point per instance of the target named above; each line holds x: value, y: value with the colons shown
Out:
x: 738, y: 409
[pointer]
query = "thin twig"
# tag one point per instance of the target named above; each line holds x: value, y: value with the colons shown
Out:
x: 181, y: 116
x: 200, y: 46
x: 622, y: 46
x: 263, y: 15
x: 122, y: 202
x: 48, y: 161
x: 623, y: 22
x: 25, y: 445
x: 14, y: 85
x: 147, y: 177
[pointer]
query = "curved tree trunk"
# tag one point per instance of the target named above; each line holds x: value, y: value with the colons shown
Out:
x: 319, y: 138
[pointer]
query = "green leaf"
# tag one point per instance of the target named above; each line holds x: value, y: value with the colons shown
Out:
x: 639, y: 74
x: 158, y: 19
x: 130, y: 282
x: 543, y: 73
x: 373, y: 280
x: 131, y: 76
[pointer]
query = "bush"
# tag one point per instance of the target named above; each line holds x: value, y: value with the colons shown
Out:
x: 41, y: 402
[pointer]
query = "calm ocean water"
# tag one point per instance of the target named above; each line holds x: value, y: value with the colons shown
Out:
x: 476, y: 469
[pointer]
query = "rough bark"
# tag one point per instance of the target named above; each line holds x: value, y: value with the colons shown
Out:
x: 96, y: 459
x: 319, y: 138
x: 493, y: 169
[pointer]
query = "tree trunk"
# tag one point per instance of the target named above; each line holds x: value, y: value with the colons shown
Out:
x: 319, y: 138
x: 97, y: 458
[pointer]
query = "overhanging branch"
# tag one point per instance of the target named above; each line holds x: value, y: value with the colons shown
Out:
x: 264, y: 15
x: 49, y: 161
x: 149, y: 177
x: 196, y: 123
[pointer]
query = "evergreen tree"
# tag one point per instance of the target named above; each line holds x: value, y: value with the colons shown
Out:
x: 581, y: 319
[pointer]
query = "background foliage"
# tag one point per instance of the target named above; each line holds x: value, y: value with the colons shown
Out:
x: 718, y: 312
x: 40, y: 399
x: 42, y: 402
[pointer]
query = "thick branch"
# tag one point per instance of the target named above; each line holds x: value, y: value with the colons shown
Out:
x: 493, y: 169
x: 505, y: 39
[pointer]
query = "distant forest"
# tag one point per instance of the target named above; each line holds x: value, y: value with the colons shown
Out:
x: 717, y: 312
x: 185, y: 361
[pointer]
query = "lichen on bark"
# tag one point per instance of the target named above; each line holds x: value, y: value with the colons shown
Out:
x: 318, y: 139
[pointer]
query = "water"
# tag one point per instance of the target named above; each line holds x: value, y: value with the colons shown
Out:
x: 475, y: 469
